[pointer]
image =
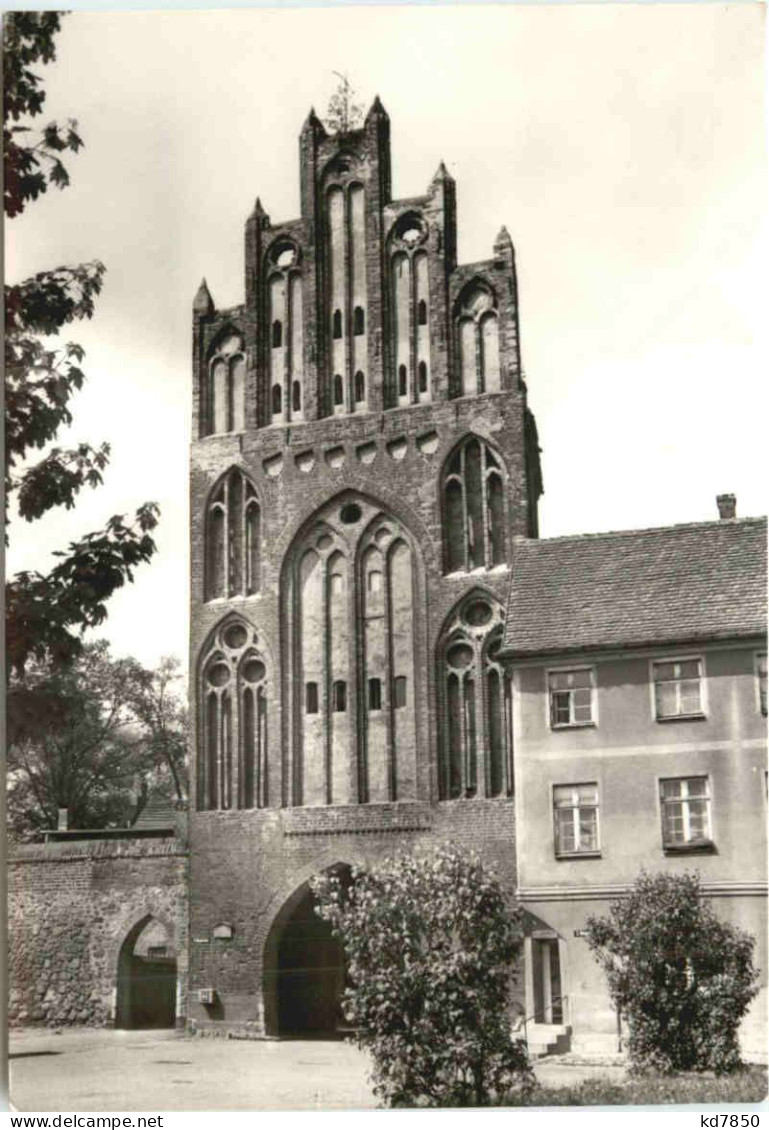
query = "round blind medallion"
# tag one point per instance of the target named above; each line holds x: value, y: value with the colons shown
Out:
x: 253, y: 670
x: 351, y: 513
x: 477, y: 614
x: 382, y: 535
x: 460, y: 655
x: 411, y: 236
x: 325, y: 542
x: 219, y: 675
x: 235, y: 636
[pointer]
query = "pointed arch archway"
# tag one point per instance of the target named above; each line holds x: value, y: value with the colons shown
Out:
x: 303, y: 967
x: 146, y: 989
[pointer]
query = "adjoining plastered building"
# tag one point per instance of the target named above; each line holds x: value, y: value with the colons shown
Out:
x: 639, y: 685
x: 384, y: 654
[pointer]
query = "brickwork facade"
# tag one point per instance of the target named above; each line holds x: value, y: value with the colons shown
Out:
x: 363, y: 459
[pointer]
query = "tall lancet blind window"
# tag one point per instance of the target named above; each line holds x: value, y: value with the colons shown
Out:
x: 347, y: 295
x: 473, y: 490
x: 477, y: 341
x: 225, y: 388
x: 350, y: 605
x: 233, y: 538
x: 476, y: 722
x: 232, y: 726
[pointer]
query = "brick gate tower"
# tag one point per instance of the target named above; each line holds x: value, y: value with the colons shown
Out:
x: 362, y: 462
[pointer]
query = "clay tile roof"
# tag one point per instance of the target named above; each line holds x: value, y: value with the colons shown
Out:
x: 706, y: 580
x: 158, y: 812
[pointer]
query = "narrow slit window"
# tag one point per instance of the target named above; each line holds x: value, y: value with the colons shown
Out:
x: 339, y: 696
x: 375, y: 694
x: 277, y: 400
x: 399, y: 691
x: 402, y: 380
x: 422, y: 376
x: 277, y: 334
x: 422, y: 312
x: 311, y: 698
x: 296, y: 397
x: 359, y: 321
x: 360, y: 387
x: 338, y: 390
x: 337, y: 324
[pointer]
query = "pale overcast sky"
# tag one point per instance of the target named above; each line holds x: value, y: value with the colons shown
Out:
x: 621, y: 145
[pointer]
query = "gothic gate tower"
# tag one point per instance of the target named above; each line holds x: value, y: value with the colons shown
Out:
x: 362, y: 462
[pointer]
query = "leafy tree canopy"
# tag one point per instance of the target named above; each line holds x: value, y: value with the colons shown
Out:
x: 97, y: 737
x: 46, y: 613
x: 430, y: 944
x: 343, y: 114
x: 680, y: 976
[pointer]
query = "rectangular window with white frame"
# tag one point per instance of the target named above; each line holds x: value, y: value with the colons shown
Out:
x: 761, y: 681
x: 686, y: 817
x: 575, y: 816
x: 678, y: 688
x: 572, y: 697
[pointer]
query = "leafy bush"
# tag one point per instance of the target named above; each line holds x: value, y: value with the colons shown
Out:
x: 430, y: 943
x: 681, y: 977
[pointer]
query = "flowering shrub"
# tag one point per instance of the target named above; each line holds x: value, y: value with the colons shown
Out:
x: 430, y: 944
x: 681, y: 977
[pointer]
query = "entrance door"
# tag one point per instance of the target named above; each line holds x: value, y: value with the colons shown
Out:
x: 548, y: 1000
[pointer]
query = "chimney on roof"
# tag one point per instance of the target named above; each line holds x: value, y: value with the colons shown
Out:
x: 63, y: 820
x: 727, y: 505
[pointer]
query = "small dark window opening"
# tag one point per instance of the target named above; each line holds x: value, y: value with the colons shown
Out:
x: 296, y: 396
x: 311, y: 698
x: 375, y: 694
x: 423, y: 376
x: 338, y: 390
x: 337, y: 330
x: 399, y: 692
x: 358, y: 321
x: 402, y: 380
x: 157, y: 951
x: 277, y: 400
x: 422, y: 312
x: 360, y: 386
x: 277, y: 333
x: 339, y: 696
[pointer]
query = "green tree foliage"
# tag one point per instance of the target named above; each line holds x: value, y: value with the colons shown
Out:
x: 160, y: 707
x: 681, y: 977
x: 31, y: 159
x: 97, y: 736
x: 47, y: 612
x: 343, y: 114
x: 430, y: 945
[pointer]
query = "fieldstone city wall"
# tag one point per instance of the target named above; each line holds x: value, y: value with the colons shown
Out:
x: 71, y: 906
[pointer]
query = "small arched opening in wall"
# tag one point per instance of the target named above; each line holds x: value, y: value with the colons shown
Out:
x: 146, y: 977
x: 304, y: 970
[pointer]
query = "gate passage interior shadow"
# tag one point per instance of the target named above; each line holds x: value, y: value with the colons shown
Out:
x: 310, y: 975
x: 146, y: 980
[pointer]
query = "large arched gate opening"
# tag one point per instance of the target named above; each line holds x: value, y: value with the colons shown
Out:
x: 146, y: 979
x: 304, y: 973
